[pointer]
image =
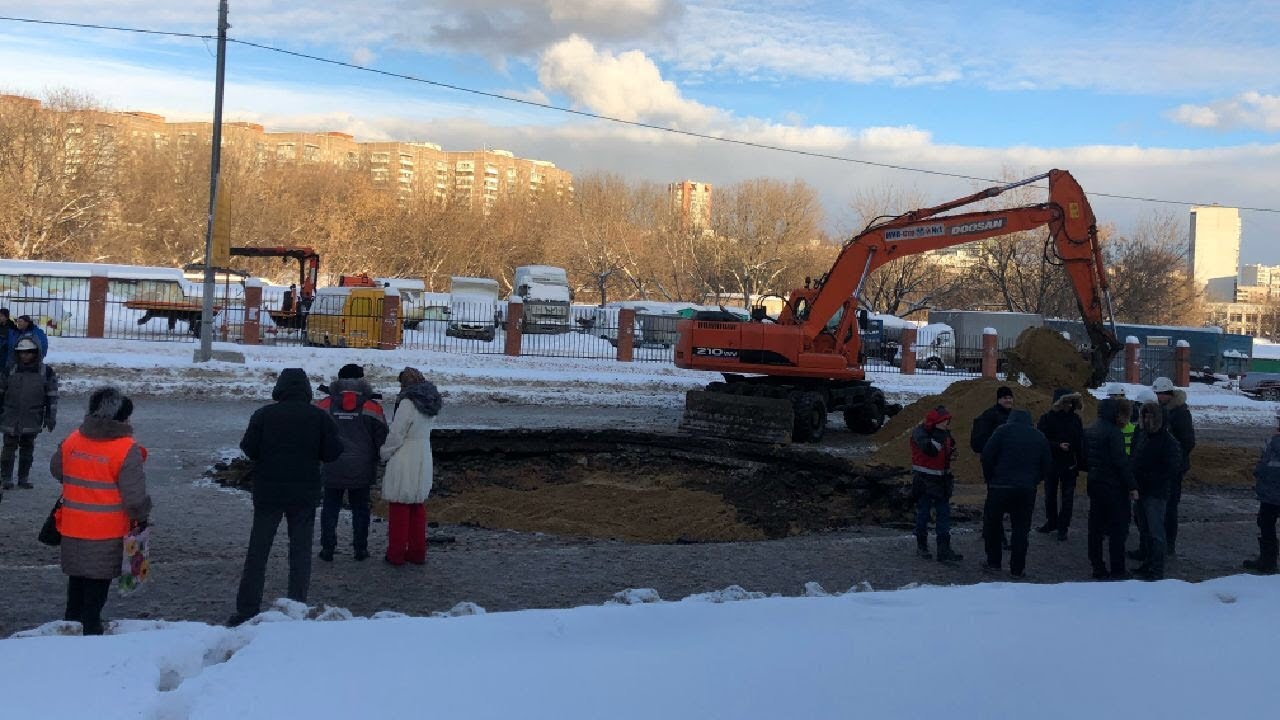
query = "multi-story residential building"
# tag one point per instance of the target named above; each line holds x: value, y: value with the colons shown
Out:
x: 478, y: 178
x: 1256, y: 319
x: 692, y: 200
x: 1214, y: 252
x: 1260, y: 275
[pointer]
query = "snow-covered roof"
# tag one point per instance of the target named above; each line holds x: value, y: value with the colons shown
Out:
x: 1267, y: 350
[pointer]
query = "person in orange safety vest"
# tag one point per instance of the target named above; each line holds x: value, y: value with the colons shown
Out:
x: 104, y: 495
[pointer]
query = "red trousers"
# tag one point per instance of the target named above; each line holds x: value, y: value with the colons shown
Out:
x: 406, y: 533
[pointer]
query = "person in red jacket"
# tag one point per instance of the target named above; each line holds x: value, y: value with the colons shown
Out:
x: 932, y: 449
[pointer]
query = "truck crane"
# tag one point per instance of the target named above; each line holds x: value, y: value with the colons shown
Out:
x: 783, y: 376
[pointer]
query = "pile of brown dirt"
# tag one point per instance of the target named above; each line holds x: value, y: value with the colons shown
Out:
x: 965, y: 400
x: 1222, y: 466
x: 1048, y: 360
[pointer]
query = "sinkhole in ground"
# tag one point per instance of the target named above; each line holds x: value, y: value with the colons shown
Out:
x: 646, y: 487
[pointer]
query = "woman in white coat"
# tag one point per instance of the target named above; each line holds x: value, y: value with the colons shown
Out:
x: 407, y: 481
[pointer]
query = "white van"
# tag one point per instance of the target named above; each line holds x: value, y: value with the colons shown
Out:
x: 544, y: 290
x: 473, y: 308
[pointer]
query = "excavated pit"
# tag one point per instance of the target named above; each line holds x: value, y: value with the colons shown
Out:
x: 646, y: 487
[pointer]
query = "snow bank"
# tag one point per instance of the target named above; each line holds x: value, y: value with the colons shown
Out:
x: 1168, y: 650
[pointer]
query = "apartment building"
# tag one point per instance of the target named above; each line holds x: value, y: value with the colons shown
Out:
x: 475, y: 177
x: 692, y: 200
x: 1214, y: 251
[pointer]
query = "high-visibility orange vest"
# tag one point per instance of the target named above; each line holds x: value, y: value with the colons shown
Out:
x: 92, y: 508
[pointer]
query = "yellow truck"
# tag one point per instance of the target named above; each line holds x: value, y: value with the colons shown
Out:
x: 349, y: 317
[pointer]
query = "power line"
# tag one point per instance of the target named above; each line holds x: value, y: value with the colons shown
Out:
x: 591, y: 115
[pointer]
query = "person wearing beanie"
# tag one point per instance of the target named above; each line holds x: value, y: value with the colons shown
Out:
x: 363, y: 428
x: 932, y: 450
x: 30, y: 391
x: 1174, y: 402
x: 1266, y: 475
x: 104, y: 492
x: 1065, y: 431
x: 287, y: 441
x: 983, y: 427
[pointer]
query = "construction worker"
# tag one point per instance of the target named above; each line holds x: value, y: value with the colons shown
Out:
x: 932, y: 449
x: 1115, y: 391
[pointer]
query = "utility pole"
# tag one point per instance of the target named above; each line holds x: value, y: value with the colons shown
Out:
x: 206, y: 312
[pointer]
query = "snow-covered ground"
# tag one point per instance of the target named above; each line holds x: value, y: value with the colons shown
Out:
x: 166, y: 368
x: 1167, y: 650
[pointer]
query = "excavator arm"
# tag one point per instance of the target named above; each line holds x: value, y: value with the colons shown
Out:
x: 782, y: 378
x: 1073, y: 235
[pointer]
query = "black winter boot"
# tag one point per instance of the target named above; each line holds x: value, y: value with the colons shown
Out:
x: 945, y: 553
x: 922, y: 547
x: 1265, y: 564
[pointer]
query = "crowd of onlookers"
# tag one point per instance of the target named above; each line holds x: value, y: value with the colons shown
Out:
x: 1134, y: 456
x: 306, y: 453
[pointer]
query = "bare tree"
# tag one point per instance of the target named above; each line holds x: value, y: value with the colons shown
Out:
x: 908, y: 284
x: 758, y: 226
x: 56, y: 161
x: 1148, y: 272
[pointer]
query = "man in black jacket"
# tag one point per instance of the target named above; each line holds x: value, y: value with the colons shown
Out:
x: 1111, y: 488
x: 1174, y: 402
x: 1157, y: 462
x: 1065, y: 432
x: 363, y: 429
x: 286, y: 441
x: 1014, y: 461
x: 982, y: 428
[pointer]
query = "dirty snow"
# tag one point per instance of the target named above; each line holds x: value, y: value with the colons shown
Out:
x: 926, y: 652
x: 166, y: 368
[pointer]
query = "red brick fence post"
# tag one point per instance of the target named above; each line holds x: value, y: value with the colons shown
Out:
x: 907, y: 365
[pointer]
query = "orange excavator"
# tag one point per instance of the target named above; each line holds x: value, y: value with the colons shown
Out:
x: 783, y: 376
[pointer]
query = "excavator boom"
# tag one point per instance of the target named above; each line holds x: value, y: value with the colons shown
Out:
x: 811, y: 354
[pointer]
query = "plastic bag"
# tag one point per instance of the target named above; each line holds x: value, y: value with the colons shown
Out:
x: 135, y: 567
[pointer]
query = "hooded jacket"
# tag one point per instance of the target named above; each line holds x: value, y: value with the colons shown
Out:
x: 1017, y: 455
x: 1267, y: 472
x: 1062, y: 425
x: 287, y: 441
x: 1157, y: 456
x: 1180, y: 425
x: 362, y: 428
x: 1110, y: 473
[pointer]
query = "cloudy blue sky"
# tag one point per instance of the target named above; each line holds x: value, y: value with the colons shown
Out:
x: 1169, y: 100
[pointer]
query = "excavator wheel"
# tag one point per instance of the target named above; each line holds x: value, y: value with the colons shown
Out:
x: 810, y: 417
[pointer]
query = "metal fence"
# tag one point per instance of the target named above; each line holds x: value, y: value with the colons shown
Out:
x: 942, y: 354
x: 1153, y: 362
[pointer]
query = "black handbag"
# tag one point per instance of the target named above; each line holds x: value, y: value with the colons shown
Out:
x: 49, y: 534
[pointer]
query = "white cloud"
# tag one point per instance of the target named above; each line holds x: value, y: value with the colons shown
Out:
x: 363, y: 56
x: 627, y: 85
x: 1251, y: 110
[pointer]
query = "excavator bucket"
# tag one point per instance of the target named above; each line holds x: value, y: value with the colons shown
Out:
x: 738, y: 417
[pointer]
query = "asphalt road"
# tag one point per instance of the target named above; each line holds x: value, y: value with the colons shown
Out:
x: 201, y: 530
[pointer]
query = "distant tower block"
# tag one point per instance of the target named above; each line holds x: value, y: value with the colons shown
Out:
x: 693, y: 201
x: 1214, y: 252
